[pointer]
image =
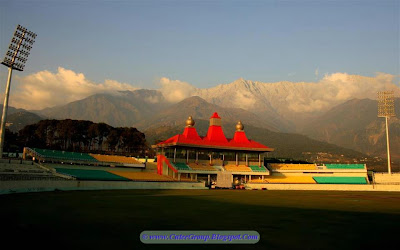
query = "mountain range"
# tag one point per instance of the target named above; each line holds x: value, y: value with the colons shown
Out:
x: 290, y: 105
x: 287, y: 106
x: 283, y: 107
x: 354, y: 124
x: 123, y: 109
x: 197, y: 107
x: 19, y: 118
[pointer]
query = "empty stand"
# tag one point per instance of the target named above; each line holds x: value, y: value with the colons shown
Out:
x: 63, y: 155
x: 25, y: 170
x: 345, y: 166
x: 284, y: 166
x: 256, y: 168
x: 201, y: 167
x: 83, y: 174
x: 142, y: 176
x: 257, y: 180
x: 185, y: 178
x: 340, y: 180
x: 239, y: 168
x: 21, y: 168
x: 116, y: 159
x: 180, y: 166
x: 385, y: 178
x: 29, y: 177
x: 290, y: 179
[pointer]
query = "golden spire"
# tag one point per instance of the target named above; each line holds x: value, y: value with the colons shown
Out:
x: 239, y: 126
x: 190, y: 122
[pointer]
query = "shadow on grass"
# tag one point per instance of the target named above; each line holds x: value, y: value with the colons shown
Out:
x: 115, y: 219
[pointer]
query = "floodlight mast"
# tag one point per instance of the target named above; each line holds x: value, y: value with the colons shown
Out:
x: 15, y: 58
x: 386, y: 110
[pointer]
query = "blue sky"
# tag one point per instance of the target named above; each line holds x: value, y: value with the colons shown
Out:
x: 207, y: 42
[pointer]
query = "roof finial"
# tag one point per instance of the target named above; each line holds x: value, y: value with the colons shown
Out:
x: 239, y: 126
x: 190, y: 122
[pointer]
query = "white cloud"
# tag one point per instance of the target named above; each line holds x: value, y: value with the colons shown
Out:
x: 337, y: 88
x: 175, y: 90
x: 47, y: 89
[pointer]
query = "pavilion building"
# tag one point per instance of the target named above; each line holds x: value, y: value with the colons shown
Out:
x: 212, y: 158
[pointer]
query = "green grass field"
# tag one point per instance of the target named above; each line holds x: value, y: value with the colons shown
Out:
x: 284, y: 219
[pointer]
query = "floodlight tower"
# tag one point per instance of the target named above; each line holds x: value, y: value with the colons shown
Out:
x: 15, y: 58
x: 386, y: 109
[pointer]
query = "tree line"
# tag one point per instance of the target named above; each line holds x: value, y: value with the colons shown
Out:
x: 78, y: 136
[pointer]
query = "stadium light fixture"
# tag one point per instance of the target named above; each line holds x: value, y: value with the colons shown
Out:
x: 386, y: 110
x: 15, y: 58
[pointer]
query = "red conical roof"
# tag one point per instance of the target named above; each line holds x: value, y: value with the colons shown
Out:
x: 240, y: 137
x: 215, y: 138
x: 190, y: 133
x: 215, y: 134
x: 215, y: 115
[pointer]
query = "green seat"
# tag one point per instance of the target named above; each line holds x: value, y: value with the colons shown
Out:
x: 340, y: 180
x: 256, y: 168
x: 84, y: 174
x: 344, y: 166
x: 64, y: 155
x: 181, y: 166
